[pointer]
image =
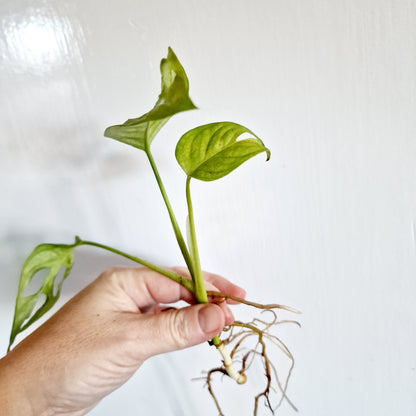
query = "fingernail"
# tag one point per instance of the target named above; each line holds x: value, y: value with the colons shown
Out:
x: 209, y: 319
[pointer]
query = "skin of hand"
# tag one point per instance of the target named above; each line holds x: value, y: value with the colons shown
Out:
x: 98, y: 340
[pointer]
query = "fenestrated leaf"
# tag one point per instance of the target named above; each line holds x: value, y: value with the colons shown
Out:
x: 212, y: 151
x: 45, y: 256
x: 174, y: 98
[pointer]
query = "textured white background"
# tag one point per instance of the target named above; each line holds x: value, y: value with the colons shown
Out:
x: 327, y: 226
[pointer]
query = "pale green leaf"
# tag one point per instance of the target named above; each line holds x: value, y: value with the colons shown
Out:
x: 212, y: 151
x: 174, y: 98
x: 51, y: 257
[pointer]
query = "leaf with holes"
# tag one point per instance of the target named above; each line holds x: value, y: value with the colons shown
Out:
x: 212, y: 151
x: 45, y: 256
x: 174, y: 98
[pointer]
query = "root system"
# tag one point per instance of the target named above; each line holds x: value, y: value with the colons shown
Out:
x: 238, y: 335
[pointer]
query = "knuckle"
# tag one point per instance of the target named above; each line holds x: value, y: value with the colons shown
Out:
x: 111, y: 273
x: 110, y: 276
x: 178, y: 329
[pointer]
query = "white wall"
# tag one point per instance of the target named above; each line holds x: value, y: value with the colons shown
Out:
x: 327, y: 226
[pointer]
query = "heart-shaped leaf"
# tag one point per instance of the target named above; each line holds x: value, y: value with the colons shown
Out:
x: 212, y: 151
x: 45, y: 256
x: 174, y: 98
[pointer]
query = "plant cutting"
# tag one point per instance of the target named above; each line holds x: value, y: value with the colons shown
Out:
x: 204, y: 153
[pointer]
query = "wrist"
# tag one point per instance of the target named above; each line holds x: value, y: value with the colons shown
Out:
x: 20, y: 393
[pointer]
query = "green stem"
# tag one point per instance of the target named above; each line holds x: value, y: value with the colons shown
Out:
x: 178, y: 234
x: 186, y: 283
x: 200, y: 291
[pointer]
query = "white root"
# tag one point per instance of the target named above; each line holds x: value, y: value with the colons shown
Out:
x: 229, y: 367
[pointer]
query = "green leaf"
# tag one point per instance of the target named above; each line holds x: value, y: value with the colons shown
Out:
x: 45, y: 256
x: 212, y: 151
x: 174, y: 98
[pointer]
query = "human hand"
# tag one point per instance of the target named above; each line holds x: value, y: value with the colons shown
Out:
x: 97, y: 341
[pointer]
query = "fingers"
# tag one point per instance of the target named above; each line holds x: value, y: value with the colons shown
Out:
x: 144, y: 288
x: 178, y: 328
x: 147, y: 288
x: 216, y: 282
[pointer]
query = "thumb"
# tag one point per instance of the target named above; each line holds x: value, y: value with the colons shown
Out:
x: 176, y: 329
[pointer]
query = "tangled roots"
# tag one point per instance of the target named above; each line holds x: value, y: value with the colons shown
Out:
x: 238, y: 335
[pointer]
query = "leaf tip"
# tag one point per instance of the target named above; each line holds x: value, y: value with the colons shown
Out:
x: 268, y: 154
x: 107, y: 132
